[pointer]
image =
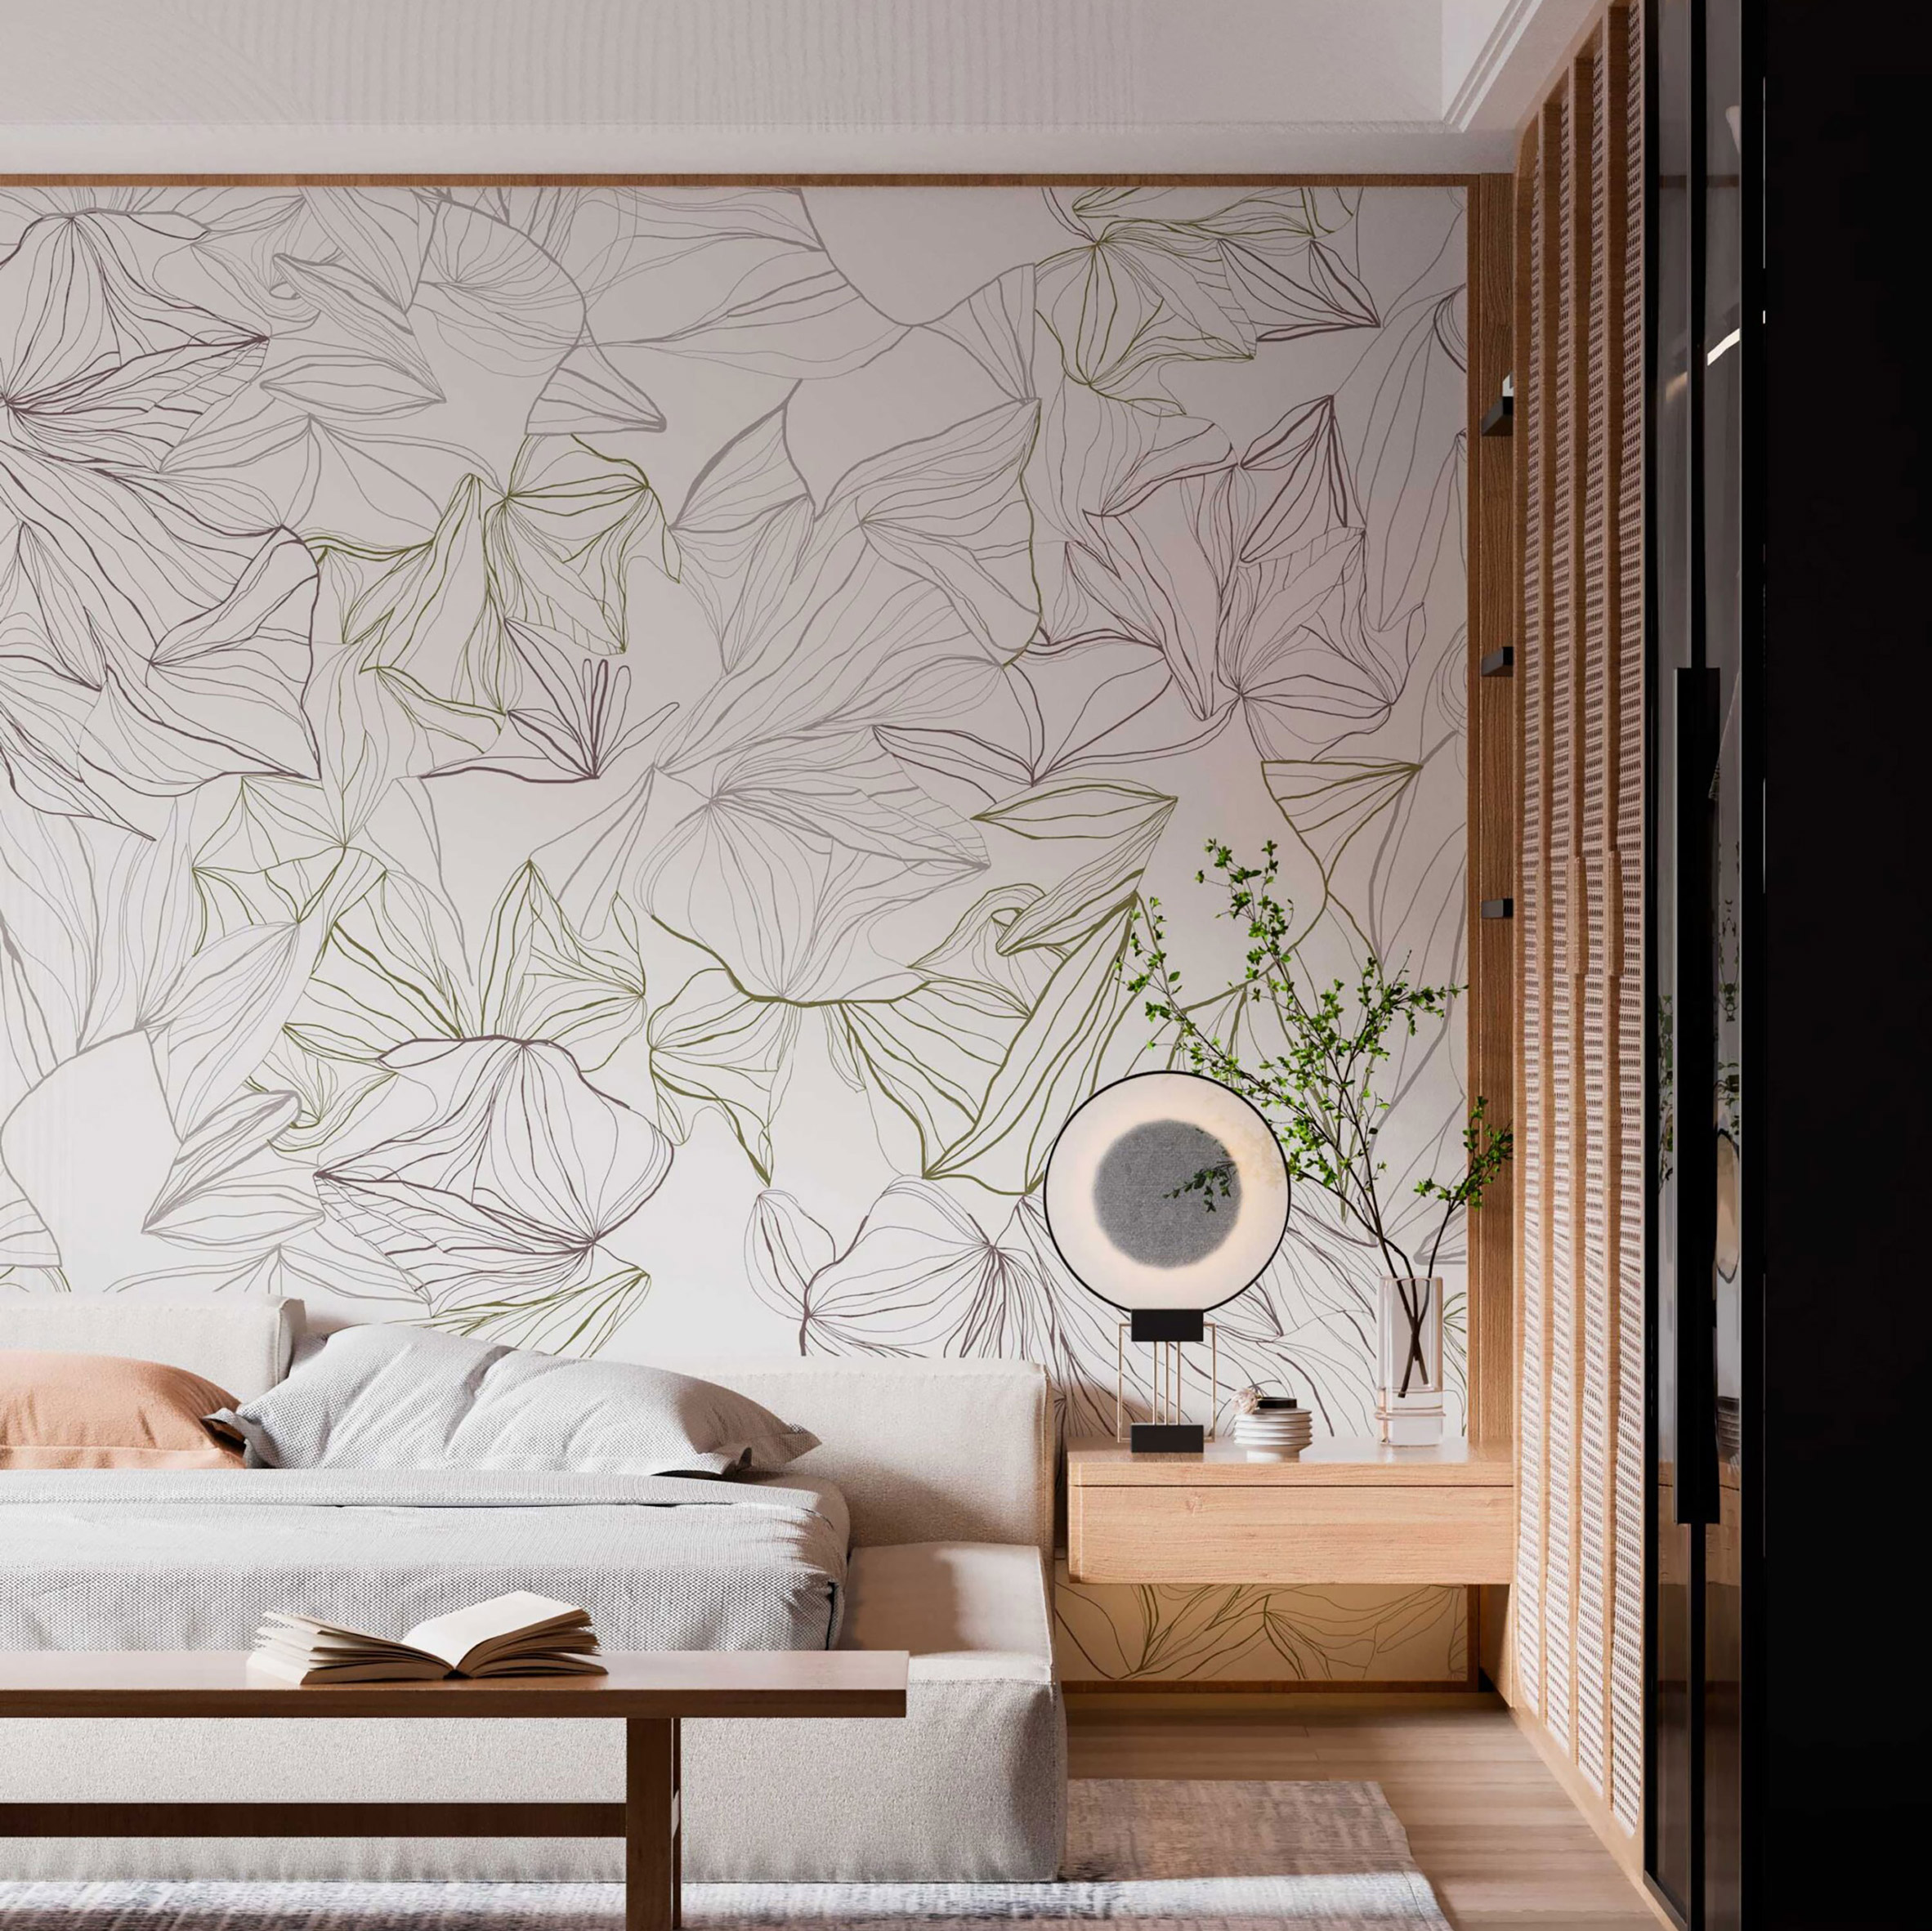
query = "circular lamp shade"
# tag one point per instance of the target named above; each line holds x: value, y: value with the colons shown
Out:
x: 1166, y: 1191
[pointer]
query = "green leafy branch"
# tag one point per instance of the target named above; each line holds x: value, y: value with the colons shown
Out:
x: 1318, y: 1093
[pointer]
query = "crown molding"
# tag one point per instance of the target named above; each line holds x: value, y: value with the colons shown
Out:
x: 744, y: 86
x: 1350, y: 151
x: 1459, y: 110
x: 1526, y: 44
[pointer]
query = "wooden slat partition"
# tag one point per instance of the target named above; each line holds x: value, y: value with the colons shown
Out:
x: 1580, y: 1097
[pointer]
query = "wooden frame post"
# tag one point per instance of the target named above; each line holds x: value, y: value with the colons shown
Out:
x: 653, y: 1826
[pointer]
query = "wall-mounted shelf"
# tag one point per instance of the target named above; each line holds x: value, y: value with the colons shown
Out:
x: 1499, y: 419
x: 1499, y: 663
x: 1342, y: 1511
x: 1497, y: 907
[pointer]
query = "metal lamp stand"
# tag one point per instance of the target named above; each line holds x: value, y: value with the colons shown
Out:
x: 1166, y: 1330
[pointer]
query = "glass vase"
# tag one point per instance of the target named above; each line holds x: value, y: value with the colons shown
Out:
x: 1409, y: 1360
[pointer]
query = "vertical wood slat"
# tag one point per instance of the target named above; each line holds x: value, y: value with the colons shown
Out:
x: 1526, y: 1675
x: 1538, y: 937
x: 1596, y: 729
x: 1580, y: 1180
x: 1624, y: 105
x: 1493, y: 833
x: 1560, y: 1039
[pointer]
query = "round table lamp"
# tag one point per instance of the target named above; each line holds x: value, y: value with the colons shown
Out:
x: 1166, y: 1194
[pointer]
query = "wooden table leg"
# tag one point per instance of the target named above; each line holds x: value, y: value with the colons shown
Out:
x: 651, y: 1832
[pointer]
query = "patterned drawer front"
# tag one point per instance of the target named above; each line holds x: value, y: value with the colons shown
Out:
x: 1306, y: 1533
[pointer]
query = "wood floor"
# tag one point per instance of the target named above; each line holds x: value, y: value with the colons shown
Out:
x: 1489, y: 1824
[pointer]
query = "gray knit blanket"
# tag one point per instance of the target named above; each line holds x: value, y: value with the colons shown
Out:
x: 189, y: 1559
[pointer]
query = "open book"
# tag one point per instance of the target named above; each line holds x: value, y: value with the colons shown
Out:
x: 519, y: 1634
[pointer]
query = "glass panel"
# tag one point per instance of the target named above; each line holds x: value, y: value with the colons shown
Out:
x: 1671, y: 1807
x: 1723, y: 323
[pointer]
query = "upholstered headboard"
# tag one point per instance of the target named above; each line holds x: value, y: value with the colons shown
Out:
x: 925, y: 1450
x: 242, y: 1344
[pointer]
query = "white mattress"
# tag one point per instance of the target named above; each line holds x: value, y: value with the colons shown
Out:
x: 189, y: 1559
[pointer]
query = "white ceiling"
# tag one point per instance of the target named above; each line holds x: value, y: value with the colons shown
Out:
x: 772, y: 85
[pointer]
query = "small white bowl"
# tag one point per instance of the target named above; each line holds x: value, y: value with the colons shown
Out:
x: 1272, y: 1431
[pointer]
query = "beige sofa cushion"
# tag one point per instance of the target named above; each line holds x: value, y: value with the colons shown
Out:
x: 962, y: 1609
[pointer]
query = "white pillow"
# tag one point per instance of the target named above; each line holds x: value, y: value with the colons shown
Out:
x: 400, y: 1397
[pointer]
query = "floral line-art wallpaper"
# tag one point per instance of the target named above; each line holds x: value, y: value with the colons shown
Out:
x: 580, y: 761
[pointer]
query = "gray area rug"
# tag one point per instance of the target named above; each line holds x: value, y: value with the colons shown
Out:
x: 1162, y: 1856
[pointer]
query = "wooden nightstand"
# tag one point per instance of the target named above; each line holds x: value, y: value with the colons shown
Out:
x: 1346, y: 1511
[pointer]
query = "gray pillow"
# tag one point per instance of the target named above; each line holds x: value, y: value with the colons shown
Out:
x: 400, y: 1398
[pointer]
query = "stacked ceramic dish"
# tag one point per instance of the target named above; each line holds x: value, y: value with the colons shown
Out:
x: 1275, y: 1425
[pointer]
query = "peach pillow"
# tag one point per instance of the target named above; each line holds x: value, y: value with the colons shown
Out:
x: 105, y: 1411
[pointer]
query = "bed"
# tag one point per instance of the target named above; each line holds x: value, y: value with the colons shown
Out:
x: 93, y: 1558
x: 922, y: 1524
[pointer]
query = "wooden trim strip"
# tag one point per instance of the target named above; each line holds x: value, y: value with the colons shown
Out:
x: 1206, y: 179
x: 1549, y: 202
x: 1491, y: 869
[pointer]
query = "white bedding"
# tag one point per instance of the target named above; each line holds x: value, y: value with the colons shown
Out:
x: 147, y: 1559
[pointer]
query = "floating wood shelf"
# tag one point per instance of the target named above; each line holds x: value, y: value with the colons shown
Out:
x: 1343, y: 1511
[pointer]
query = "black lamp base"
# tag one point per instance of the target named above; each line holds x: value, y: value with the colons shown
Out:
x: 1166, y: 1438
x: 1166, y: 1324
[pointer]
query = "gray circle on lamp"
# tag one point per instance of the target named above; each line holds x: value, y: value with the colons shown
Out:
x: 1166, y: 1194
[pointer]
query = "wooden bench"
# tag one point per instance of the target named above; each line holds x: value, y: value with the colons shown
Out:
x: 650, y: 1693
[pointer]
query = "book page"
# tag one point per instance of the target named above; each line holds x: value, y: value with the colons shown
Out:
x: 291, y: 1666
x: 462, y: 1632
x: 324, y: 1639
x: 301, y: 1624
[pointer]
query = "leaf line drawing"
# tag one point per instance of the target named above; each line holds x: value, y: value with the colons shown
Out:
x: 1201, y: 1633
x: 518, y: 1173
x: 542, y: 727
